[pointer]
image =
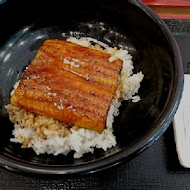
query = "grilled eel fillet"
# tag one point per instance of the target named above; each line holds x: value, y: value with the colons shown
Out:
x: 70, y: 83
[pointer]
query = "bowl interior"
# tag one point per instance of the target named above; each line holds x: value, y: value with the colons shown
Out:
x: 118, y: 24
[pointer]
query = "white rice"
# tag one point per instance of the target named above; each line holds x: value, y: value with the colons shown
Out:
x: 80, y: 140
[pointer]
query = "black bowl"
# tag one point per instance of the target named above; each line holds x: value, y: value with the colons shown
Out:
x: 127, y: 24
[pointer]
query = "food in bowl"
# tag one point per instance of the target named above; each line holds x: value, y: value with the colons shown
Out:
x: 69, y: 95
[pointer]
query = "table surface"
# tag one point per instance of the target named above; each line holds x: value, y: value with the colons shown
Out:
x: 155, y: 168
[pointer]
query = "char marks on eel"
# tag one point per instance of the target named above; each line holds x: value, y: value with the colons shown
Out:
x: 69, y: 82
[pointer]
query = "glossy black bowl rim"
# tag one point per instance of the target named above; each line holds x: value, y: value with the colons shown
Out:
x: 159, y: 128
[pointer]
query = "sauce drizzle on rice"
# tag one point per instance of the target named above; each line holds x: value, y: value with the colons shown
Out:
x: 47, y: 135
